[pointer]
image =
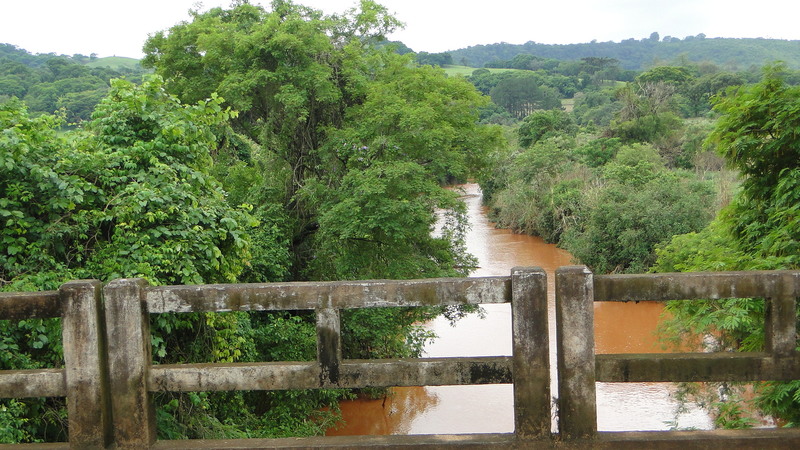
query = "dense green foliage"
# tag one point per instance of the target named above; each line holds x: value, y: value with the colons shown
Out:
x: 641, y: 205
x: 609, y: 180
x: 73, y: 206
x: 609, y: 205
x: 628, y: 182
x: 131, y: 195
x: 758, y: 230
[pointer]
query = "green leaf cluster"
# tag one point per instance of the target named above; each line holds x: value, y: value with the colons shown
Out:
x: 129, y: 196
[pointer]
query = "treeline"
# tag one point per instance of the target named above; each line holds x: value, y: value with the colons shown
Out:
x: 640, y: 54
x: 49, y: 82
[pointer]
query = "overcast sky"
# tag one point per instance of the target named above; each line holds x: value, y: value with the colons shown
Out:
x: 115, y: 27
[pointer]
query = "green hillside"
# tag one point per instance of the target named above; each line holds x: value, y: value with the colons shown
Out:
x: 50, y: 82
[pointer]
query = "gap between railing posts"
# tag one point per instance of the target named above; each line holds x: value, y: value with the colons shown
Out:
x: 577, y: 289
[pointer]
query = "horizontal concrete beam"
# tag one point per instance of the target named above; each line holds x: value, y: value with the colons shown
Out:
x: 334, y: 294
x: 699, y: 285
x: 760, y: 438
x: 29, y: 305
x: 433, y: 441
x: 722, y: 366
x: 727, y: 439
x: 352, y: 374
x: 32, y: 383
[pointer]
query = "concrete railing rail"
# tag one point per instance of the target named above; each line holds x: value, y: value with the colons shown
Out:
x: 108, y: 376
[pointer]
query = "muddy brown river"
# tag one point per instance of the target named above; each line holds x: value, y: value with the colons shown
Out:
x: 619, y: 328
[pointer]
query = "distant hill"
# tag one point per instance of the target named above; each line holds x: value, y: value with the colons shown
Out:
x: 731, y: 54
x: 12, y: 53
x: 50, y: 82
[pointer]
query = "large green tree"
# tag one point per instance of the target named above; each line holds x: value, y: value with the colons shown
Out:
x: 320, y: 99
x: 523, y: 94
x: 289, y: 72
x: 543, y: 124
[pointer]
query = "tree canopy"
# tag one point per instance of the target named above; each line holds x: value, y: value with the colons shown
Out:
x: 317, y: 94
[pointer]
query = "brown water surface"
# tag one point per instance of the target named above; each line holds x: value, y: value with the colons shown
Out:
x: 619, y: 328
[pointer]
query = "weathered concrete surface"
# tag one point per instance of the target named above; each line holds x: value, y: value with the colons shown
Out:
x: 32, y: 383
x: 335, y: 294
x: 770, y: 439
x: 128, y: 333
x: 29, y: 305
x: 126, y: 316
x: 83, y: 331
x: 721, y: 366
x: 38, y: 446
x: 487, y: 441
x: 352, y: 374
x: 780, y: 333
x: 531, y: 350
x: 577, y: 403
x: 761, y: 439
x: 329, y: 344
x: 697, y: 285
x: 685, y: 440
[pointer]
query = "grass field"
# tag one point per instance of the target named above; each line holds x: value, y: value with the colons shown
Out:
x: 467, y: 71
x: 115, y: 62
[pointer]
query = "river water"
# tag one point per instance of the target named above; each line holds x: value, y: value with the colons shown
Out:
x: 619, y: 328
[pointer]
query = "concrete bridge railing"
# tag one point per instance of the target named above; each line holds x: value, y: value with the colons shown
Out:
x: 108, y: 377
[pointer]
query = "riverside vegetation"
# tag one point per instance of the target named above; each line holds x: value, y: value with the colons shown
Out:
x: 282, y: 144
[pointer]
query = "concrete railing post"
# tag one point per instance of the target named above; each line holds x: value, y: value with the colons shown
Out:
x: 531, y: 350
x: 128, y: 331
x: 83, y: 331
x: 329, y: 345
x: 575, y: 348
x: 780, y: 333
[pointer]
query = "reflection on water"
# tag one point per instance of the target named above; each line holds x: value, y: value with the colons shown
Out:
x: 619, y: 328
x: 389, y: 415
